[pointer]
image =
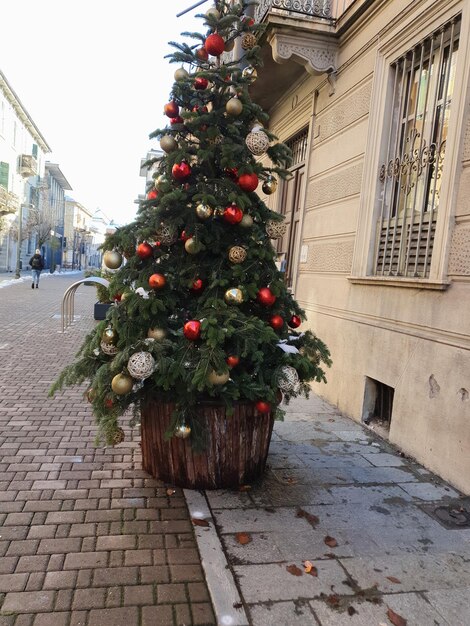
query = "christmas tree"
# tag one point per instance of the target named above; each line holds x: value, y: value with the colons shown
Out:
x: 201, y: 310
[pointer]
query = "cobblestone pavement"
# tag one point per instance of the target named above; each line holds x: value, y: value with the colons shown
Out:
x: 87, y: 537
x: 338, y: 496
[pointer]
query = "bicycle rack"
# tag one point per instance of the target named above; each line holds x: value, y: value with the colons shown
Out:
x: 68, y: 300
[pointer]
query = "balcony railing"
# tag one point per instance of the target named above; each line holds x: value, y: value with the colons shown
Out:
x: 327, y: 9
x: 9, y: 202
x: 312, y: 8
x: 27, y: 165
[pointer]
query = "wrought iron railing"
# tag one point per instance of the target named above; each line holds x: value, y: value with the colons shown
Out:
x: 313, y: 8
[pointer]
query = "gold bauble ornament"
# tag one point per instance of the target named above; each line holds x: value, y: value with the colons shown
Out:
x: 250, y: 73
x: 276, y: 229
x: 218, y: 379
x: 125, y: 295
x: 233, y: 296
x: 181, y: 74
x: 234, y: 107
x: 236, y: 254
x: 156, y: 333
x: 247, y: 221
x: 122, y: 384
x: 192, y: 246
x: 118, y: 436
x: 213, y: 12
x: 112, y: 259
x: 168, y: 143
x: 182, y: 431
x: 269, y: 185
x: 248, y: 41
x: 109, y: 335
x: 159, y: 181
x: 204, y: 211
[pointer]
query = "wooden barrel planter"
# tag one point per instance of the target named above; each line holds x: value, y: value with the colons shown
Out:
x: 235, y: 454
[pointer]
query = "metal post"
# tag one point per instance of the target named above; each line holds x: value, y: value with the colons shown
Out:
x: 18, y: 247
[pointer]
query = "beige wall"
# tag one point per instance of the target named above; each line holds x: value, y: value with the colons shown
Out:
x: 412, y: 339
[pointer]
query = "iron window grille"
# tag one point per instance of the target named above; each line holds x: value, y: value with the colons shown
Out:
x: 411, y: 174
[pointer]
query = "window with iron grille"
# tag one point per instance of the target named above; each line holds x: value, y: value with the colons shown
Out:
x: 422, y: 85
x: 298, y: 146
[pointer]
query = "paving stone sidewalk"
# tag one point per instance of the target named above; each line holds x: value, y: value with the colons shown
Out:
x: 339, y: 497
x: 87, y: 537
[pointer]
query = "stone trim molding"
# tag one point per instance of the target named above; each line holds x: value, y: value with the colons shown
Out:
x: 316, y: 52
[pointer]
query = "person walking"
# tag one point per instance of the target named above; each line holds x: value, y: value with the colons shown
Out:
x: 37, y: 265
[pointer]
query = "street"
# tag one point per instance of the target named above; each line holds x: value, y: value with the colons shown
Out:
x: 343, y: 530
x: 86, y: 537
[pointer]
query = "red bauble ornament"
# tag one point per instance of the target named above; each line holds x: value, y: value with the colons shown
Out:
x: 157, y: 281
x: 276, y: 322
x: 171, y: 109
x: 144, y: 250
x: 232, y: 360
x: 180, y: 171
x: 248, y: 182
x: 214, y: 45
x: 117, y: 297
x: 233, y: 214
x: 294, y: 321
x: 200, y: 83
x: 266, y: 297
x: 201, y: 54
x: 108, y: 403
x: 177, y: 120
x: 152, y: 194
x: 262, y: 406
x: 199, y: 109
x: 184, y: 236
x: 232, y: 172
x: 248, y: 20
x: 198, y: 286
x: 192, y: 330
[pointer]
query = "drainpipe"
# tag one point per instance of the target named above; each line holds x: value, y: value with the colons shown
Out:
x: 18, y: 245
x: 311, y: 130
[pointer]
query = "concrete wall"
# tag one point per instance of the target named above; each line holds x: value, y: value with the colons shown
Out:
x: 413, y: 339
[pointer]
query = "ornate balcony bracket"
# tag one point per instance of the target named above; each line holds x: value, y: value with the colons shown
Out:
x: 316, y: 52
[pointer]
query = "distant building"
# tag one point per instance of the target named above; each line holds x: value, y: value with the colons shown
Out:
x: 82, y: 237
x: 22, y: 163
x: 55, y: 185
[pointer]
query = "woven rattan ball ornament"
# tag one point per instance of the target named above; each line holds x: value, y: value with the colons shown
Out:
x: 257, y: 142
x: 141, y: 365
x: 236, y: 254
x: 288, y: 378
x: 118, y: 436
x: 248, y: 41
x: 276, y: 229
x: 108, y: 348
x: 166, y: 235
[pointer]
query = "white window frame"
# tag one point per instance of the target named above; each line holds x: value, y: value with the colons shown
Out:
x: 415, y: 26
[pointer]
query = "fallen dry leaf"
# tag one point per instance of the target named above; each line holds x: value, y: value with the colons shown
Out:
x: 351, y: 610
x: 392, y: 579
x: 330, y: 541
x: 311, y: 519
x: 333, y: 600
x: 397, y: 620
x: 200, y: 522
x: 308, y: 566
x: 170, y: 492
x: 244, y: 488
x: 243, y: 538
x: 294, y: 570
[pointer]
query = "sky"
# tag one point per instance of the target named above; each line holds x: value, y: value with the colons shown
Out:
x: 92, y: 76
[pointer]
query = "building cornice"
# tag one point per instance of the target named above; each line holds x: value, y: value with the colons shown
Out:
x: 22, y: 113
